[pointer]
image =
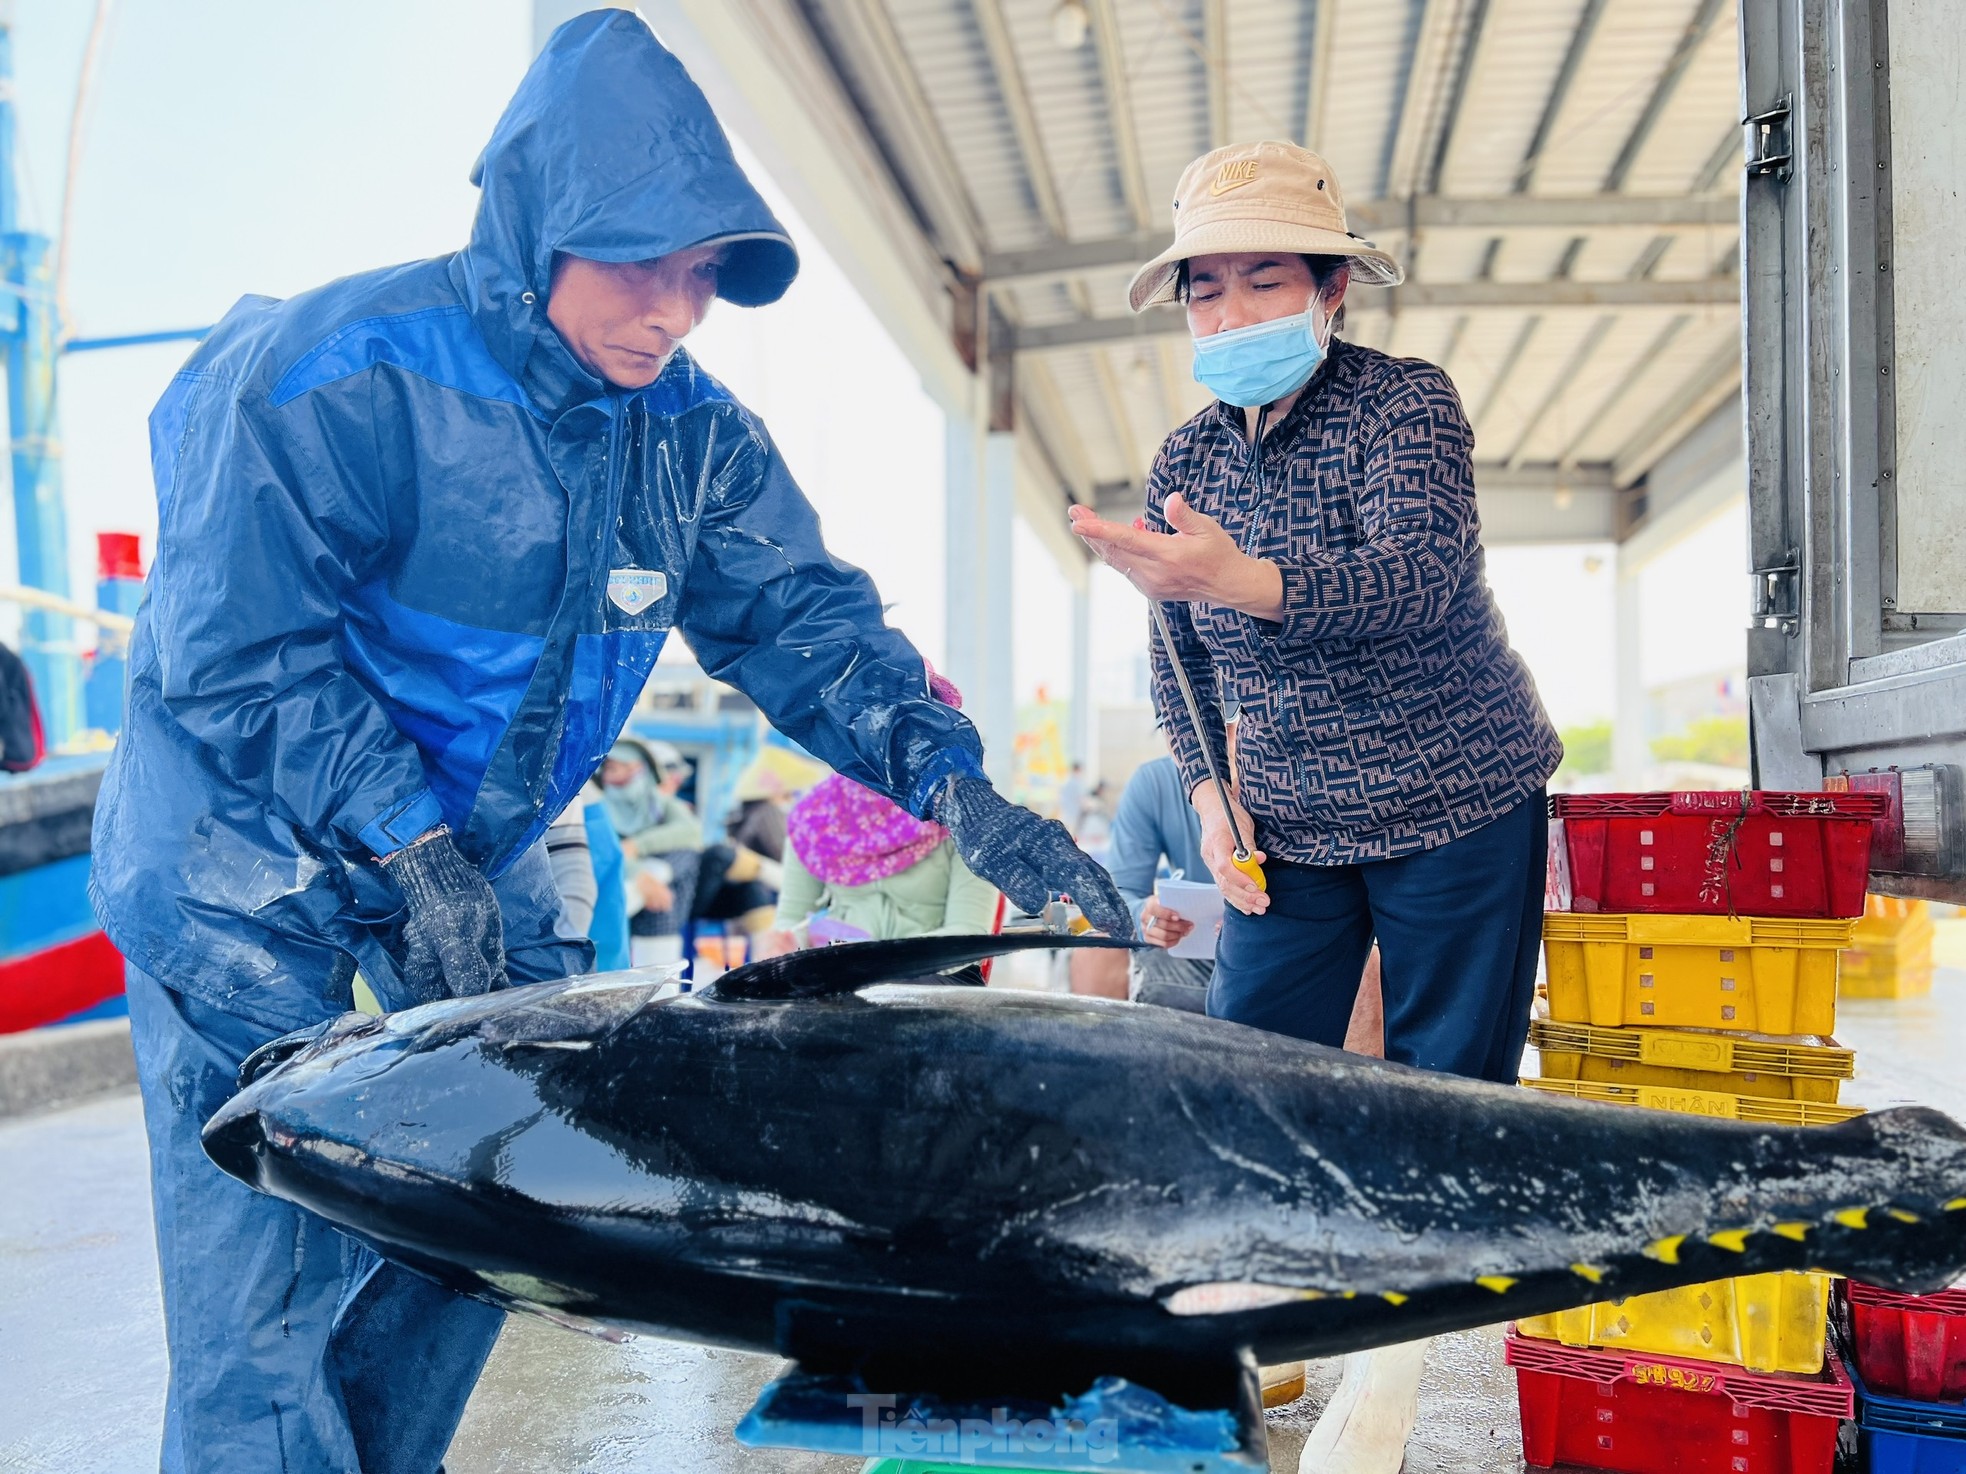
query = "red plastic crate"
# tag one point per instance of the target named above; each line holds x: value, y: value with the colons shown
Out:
x: 1713, y: 853
x: 1910, y: 1345
x: 1664, y: 1415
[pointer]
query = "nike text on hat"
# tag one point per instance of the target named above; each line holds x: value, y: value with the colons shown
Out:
x: 1259, y: 197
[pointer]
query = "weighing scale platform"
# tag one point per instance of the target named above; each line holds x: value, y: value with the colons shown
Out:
x: 1112, y: 1424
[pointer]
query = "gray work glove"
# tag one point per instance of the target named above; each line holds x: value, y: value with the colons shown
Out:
x: 1027, y: 858
x: 453, y: 940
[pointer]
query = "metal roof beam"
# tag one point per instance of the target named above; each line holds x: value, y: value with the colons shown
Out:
x: 1119, y: 109
x: 1114, y: 400
x: 1457, y: 93
x: 1609, y: 410
x: 1499, y: 384
x: 1009, y: 76
x: 1702, y: 391
x: 927, y: 166
x: 1494, y: 296
x: 1669, y: 79
x: 1429, y: 59
x: 1662, y: 213
x: 1324, y: 24
x: 1215, y: 58
x: 1493, y: 476
x: 1536, y: 504
x: 1566, y: 77
x: 1546, y: 519
x: 1554, y: 212
x: 1566, y: 380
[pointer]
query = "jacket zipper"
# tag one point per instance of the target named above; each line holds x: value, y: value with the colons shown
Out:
x: 1253, y: 526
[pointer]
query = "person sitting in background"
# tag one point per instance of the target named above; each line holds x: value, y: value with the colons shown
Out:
x: 740, y: 878
x: 1155, y: 821
x: 859, y: 867
x: 661, y: 843
x: 766, y: 790
x: 588, y: 872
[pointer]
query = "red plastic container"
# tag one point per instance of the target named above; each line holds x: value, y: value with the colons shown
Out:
x: 1910, y: 1345
x: 1664, y: 1415
x: 1712, y: 853
x: 117, y: 556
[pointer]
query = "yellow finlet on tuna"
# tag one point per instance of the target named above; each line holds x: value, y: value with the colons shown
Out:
x: 1665, y: 1250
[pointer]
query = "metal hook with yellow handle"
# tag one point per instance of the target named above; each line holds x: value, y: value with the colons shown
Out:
x: 1243, y: 859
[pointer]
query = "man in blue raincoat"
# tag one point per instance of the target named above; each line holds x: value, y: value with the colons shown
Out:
x: 422, y: 533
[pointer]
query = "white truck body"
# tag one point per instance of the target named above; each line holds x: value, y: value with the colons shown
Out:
x: 1853, y: 242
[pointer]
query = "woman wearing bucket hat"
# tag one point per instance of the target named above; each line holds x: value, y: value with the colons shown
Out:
x: 1313, y: 541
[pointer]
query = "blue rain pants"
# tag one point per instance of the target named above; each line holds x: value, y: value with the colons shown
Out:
x: 294, y: 1350
x: 1459, y: 928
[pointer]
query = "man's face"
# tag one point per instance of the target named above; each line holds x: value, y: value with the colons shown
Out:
x: 623, y: 319
x: 1240, y: 289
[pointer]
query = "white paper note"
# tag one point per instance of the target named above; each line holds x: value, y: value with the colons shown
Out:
x: 1197, y: 901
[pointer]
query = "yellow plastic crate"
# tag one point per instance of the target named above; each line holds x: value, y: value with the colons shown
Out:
x: 1764, y: 1322
x: 1782, y: 1069
x: 1887, y: 917
x: 1703, y: 1102
x: 1890, y: 956
x: 1877, y: 977
x: 1752, y: 974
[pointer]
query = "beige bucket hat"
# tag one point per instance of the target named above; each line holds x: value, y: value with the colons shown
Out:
x: 1259, y: 197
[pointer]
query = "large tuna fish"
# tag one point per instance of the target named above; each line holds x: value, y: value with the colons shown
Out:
x: 902, y: 1178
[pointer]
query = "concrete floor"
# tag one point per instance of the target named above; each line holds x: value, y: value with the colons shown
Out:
x: 82, y: 1364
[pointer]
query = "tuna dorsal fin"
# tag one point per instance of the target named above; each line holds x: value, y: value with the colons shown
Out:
x: 829, y: 971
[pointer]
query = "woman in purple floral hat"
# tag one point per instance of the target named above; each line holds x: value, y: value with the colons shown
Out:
x: 858, y: 866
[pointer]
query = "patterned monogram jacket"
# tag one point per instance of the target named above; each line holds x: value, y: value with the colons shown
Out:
x: 1385, y: 714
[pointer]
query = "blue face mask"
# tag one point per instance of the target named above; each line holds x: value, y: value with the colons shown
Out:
x: 1258, y: 365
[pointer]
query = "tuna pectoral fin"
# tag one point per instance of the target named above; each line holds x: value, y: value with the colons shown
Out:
x: 276, y: 1052
x: 830, y: 971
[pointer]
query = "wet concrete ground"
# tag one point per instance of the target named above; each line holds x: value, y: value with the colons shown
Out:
x: 82, y: 1361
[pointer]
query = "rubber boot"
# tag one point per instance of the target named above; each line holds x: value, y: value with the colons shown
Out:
x: 1364, y: 1428
x: 1283, y: 1383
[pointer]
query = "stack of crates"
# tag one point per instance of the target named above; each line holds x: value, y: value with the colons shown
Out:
x: 1691, y: 957
x: 1907, y: 1357
x: 1891, y: 954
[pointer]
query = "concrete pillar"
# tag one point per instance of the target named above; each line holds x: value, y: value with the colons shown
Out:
x: 981, y: 493
x: 1631, y: 753
x: 1083, y: 738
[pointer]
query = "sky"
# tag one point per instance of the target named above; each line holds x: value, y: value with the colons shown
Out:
x: 237, y: 146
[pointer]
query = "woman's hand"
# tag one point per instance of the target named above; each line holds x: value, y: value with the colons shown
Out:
x: 1218, y: 848
x: 1162, y: 927
x: 655, y: 895
x: 1197, y: 562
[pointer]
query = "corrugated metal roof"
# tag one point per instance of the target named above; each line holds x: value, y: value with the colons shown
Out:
x: 1477, y: 102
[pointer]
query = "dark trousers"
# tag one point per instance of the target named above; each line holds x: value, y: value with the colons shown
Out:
x: 1458, y: 928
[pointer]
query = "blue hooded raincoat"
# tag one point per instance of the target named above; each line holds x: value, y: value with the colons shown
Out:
x: 415, y: 564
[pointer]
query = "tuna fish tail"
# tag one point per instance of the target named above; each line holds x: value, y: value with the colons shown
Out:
x: 1903, y: 1224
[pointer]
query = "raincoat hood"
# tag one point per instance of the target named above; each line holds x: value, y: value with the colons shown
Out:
x: 610, y: 152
